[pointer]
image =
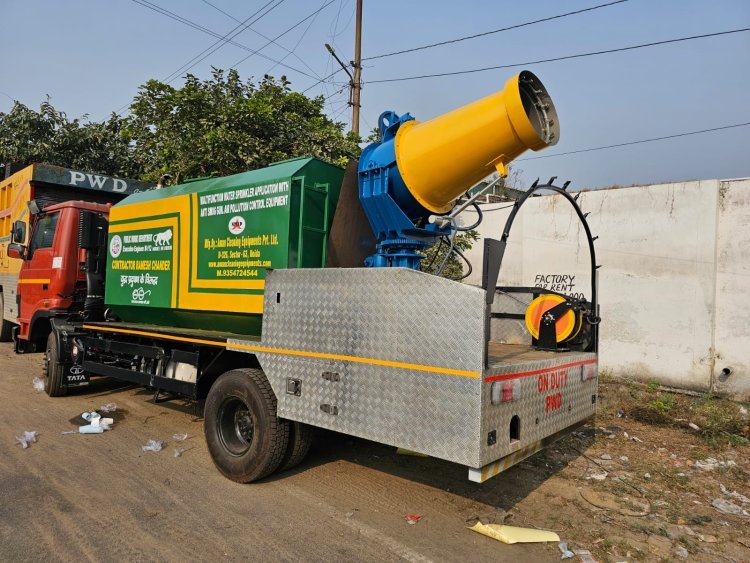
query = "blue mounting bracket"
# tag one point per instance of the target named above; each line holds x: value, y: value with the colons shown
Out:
x: 397, y: 219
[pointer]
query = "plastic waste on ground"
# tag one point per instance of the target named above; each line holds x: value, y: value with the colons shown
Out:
x: 412, y: 518
x: 26, y: 438
x: 181, y: 437
x: 728, y: 507
x: 97, y: 424
x: 566, y: 553
x: 38, y: 384
x: 734, y: 494
x: 154, y: 445
x: 514, y: 534
x: 108, y: 408
x: 179, y: 451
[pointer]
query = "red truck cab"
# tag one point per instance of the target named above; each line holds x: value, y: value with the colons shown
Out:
x: 52, y: 279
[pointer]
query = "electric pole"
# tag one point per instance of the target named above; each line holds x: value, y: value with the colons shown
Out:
x: 355, y: 80
x: 357, y: 64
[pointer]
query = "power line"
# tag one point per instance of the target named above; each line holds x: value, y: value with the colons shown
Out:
x: 290, y: 52
x: 224, y: 39
x: 172, y: 15
x: 564, y: 58
x: 296, y: 45
x: 300, y: 22
x: 483, y: 34
x: 638, y: 142
x: 325, y: 78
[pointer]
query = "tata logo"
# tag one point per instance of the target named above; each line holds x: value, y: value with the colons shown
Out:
x: 115, y: 246
x: 236, y: 225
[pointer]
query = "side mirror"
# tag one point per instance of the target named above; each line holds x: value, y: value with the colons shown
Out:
x: 18, y: 232
x: 17, y: 251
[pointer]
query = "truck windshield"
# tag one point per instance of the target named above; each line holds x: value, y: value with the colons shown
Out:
x: 44, y: 233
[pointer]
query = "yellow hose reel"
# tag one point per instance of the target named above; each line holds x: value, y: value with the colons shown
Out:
x: 567, y: 326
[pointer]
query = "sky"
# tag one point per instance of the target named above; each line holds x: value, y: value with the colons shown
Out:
x: 90, y: 57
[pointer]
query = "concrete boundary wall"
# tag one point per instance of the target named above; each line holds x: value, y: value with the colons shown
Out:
x: 674, y: 286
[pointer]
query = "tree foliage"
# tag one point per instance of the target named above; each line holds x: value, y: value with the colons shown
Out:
x: 211, y: 127
x: 48, y: 135
x: 223, y: 125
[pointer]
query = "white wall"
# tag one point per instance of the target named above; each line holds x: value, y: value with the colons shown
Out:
x: 675, y: 278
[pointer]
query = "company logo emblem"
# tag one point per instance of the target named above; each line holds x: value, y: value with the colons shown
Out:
x: 236, y: 225
x: 139, y: 295
x: 115, y: 246
x: 76, y: 370
x: 163, y: 239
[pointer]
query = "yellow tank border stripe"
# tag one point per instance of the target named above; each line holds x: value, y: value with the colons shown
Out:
x: 33, y: 280
x: 289, y: 352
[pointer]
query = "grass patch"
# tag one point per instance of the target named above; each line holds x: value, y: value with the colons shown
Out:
x: 720, y: 421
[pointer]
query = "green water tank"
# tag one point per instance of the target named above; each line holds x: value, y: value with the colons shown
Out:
x: 195, y: 255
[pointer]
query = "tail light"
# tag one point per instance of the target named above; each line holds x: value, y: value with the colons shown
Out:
x: 505, y: 391
x: 589, y: 371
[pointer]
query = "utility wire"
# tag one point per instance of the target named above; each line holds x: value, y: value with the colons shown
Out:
x: 224, y: 39
x: 290, y: 52
x: 159, y: 10
x: 296, y: 45
x: 566, y: 57
x: 300, y: 22
x: 324, y: 79
x: 638, y: 142
x: 483, y: 34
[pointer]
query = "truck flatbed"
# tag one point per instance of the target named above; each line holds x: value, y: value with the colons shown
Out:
x: 500, y: 354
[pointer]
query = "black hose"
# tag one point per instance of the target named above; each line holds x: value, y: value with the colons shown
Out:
x: 480, y: 216
x: 471, y: 268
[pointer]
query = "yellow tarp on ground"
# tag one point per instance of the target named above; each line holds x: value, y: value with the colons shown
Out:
x: 513, y: 534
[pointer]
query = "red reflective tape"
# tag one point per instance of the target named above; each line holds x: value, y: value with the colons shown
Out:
x: 505, y: 376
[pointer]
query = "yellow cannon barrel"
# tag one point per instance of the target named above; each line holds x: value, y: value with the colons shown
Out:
x: 439, y: 159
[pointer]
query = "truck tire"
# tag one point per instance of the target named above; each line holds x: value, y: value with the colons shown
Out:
x: 301, y: 438
x: 6, y: 327
x: 54, y: 379
x: 245, y: 437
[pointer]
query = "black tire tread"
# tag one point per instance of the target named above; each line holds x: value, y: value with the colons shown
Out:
x: 278, y: 429
x: 54, y: 380
x: 6, y: 327
x: 301, y: 437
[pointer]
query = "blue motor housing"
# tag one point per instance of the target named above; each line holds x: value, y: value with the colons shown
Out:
x: 397, y: 218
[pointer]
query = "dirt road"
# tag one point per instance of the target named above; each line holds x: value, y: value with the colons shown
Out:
x: 99, y: 497
x: 631, y: 492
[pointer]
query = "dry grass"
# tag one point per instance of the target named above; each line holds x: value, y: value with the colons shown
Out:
x: 720, y: 421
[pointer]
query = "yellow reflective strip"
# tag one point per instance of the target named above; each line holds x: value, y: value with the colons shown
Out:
x: 289, y: 352
x: 33, y: 280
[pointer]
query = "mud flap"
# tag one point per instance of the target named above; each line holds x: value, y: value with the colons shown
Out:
x: 64, y: 332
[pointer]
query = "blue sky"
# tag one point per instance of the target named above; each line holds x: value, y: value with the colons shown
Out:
x: 90, y: 56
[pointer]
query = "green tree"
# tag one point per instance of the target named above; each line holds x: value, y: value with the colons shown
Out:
x: 48, y: 135
x: 223, y: 126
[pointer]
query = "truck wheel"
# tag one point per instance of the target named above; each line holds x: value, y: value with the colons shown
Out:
x: 54, y: 379
x: 300, y: 440
x: 246, y: 439
x: 6, y: 327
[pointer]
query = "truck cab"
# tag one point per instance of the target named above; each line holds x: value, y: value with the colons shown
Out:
x: 52, y: 278
x: 46, y: 212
